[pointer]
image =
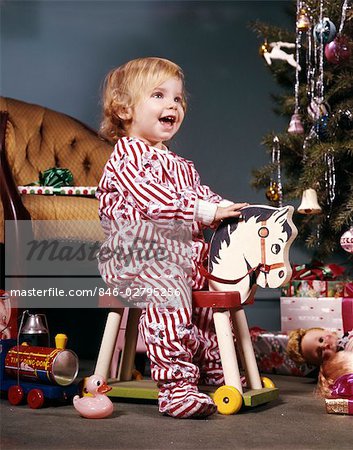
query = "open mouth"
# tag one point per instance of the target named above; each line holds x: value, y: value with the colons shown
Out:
x: 170, y: 120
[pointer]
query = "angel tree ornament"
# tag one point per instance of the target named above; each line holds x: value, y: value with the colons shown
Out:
x: 346, y: 241
x: 274, y: 51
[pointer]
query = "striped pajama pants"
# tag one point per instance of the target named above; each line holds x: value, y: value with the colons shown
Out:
x: 182, y: 348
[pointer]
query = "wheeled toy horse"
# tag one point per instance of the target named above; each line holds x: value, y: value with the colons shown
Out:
x: 246, y: 252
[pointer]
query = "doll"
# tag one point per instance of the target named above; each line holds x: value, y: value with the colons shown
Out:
x: 314, y: 345
x: 336, y: 376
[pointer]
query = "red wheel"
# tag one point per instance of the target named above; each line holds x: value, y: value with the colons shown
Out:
x: 35, y: 398
x: 15, y: 395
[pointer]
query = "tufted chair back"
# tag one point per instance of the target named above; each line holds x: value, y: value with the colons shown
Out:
x: 37, y: 139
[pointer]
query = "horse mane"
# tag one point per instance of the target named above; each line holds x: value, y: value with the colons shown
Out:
x: 228, y: 226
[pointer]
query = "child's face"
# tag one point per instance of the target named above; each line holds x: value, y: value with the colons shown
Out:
x: 318, y: 345
x: 158, y: 116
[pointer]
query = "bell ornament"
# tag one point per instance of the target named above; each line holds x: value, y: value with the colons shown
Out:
x: 309, y: 203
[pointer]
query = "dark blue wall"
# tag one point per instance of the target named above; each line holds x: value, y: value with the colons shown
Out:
x: 56, y: 53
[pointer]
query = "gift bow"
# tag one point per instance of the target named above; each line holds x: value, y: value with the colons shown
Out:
x: 317, y: 271
x: 54, y: 177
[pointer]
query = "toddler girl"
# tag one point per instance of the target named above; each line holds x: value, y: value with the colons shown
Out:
x: 154, y: 190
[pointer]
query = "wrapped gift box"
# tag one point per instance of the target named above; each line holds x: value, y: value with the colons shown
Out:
x: 308, y: 312
x: 271, y: 355
x: 339, y: 406
x: 66, y: 190
x: 317, y: 288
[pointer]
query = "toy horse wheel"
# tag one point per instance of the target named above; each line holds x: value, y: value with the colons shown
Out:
x: 15, y: 395
x: 267, y: 383
x: 228, y: 400
x: 35, y: 398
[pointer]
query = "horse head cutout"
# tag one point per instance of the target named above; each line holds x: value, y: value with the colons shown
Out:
x: 252, y: 250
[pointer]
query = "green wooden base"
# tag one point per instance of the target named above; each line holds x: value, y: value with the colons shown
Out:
x: 147, y: 390
x: 142, y: 390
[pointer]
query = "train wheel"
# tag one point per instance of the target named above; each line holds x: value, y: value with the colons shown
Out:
x: 267, y: 382
x: 15, y: 395
x: 35, y: 398
x: 228, y: 400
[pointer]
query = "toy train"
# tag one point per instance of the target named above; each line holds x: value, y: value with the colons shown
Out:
x: 37, y: 373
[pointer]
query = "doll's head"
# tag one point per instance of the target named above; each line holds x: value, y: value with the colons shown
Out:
x: 336, y: 376
x: 312, y: 345
x: 126, y: 86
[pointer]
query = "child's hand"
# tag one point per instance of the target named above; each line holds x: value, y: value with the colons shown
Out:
x: 225, y: 212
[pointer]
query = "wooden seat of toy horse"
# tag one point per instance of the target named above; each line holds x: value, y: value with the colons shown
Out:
x: 212, y: 299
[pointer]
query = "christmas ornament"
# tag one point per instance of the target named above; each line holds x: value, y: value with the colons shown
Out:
x: 345, y: 119
x: 295, y: 125
x: 330, y: 178
x: 321, y: 127
x: 309, y: 203
x: 318, y: 108
x: 303, y: 21
x: 272, y: 192
x: 264, y: 48
x: 325, y: 31
x: 338, y: 51
x: 274, y: 51
x: 346, y: 241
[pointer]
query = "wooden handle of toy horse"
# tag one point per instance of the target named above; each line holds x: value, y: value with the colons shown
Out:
x: 108, y: 343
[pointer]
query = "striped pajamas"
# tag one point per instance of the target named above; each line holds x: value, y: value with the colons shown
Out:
x: 150, y: 190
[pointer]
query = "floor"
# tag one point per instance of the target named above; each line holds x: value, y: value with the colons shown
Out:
x: 297, y: 420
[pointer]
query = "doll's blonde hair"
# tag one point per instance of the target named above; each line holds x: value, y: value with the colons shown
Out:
x: 294, y: 347
x: 339, y: 364
x: 126, y: 85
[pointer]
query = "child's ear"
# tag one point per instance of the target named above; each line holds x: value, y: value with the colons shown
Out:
x: 125, y: 113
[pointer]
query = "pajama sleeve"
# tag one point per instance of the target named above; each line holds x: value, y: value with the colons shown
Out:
x: 141, y: 179
x: 207, y: 201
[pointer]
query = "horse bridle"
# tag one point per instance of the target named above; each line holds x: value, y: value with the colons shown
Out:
x: 262, y: 267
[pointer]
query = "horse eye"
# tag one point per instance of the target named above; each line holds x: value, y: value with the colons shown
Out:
x: 275, y: 248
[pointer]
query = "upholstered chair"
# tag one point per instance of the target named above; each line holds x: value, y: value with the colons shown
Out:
x: 34, y: 139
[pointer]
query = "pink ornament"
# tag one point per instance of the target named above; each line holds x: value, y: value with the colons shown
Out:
x: 338, y: 51
x: 295, y: 125
x: 347, y: 241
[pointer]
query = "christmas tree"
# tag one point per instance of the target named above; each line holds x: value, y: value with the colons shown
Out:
x: 316, y: 150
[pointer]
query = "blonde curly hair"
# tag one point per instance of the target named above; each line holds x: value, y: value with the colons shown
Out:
x: 340, y: 364
x: 126, y: 85
x: 294, y: 349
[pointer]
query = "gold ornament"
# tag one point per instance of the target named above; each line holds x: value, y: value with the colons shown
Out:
x: 272, y: 192
x: 264, y: 48
x: 303, y: 21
